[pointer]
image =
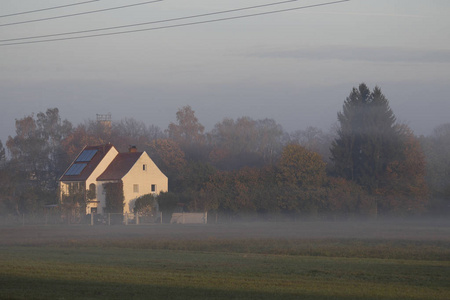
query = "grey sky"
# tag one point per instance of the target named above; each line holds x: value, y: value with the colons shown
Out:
x: 296, y: 67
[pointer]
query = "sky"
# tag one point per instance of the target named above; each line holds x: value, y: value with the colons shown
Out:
x: 296, y: 67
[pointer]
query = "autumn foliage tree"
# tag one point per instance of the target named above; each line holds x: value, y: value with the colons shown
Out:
x: 346, y: 199
x: 188, y: 132
x: 37, y: 159
x: 169, y: 157
x: 245, y: 142
x: 301, y: 178
x: 243, y: 192
x: 403, y: 188
x: 437, y: 155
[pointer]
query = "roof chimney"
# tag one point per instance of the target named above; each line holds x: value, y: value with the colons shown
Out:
x: 132, y: 149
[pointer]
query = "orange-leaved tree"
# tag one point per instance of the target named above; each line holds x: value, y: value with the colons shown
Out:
x: 301, y: 178
x: 404, y: 189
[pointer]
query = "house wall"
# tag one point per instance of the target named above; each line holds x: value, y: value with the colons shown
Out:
x: 144, y: 179
x: 101, y: 167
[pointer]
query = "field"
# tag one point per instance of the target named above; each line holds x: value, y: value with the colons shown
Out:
x: 301, y: 260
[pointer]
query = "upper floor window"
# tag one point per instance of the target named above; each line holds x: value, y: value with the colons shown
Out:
x: 136, y: 188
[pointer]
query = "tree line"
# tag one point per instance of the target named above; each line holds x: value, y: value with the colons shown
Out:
x: 368, y: 165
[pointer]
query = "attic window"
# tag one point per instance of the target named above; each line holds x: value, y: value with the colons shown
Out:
x: 144, y: 167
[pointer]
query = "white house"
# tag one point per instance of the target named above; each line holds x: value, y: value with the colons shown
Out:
x: 96, y: 165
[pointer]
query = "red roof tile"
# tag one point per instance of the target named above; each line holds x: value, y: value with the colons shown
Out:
x: 120, y: 166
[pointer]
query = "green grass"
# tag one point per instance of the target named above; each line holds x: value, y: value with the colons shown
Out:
x: 70, y: 265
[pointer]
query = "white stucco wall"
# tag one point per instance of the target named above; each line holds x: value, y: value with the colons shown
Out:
x: 101, y: 167
x: 144, y: 179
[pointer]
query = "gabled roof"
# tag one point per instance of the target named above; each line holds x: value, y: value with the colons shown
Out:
x: 85, y: 163
x: 120, y: 166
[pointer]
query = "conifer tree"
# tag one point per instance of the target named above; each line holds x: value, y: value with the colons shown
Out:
x: 368, y: 138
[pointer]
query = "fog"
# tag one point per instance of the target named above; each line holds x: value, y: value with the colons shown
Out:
x: 419, y: 229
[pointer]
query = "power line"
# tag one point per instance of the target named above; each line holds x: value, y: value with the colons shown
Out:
x: 178, y: 25
x: 79, y: 14
x: 148, y: 23
x: 48, y: 8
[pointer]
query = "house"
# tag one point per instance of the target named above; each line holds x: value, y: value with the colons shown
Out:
x: 98, y: 165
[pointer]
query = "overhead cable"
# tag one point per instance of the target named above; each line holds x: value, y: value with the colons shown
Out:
x: 81, y: 13
x: 178, y: 25
x: 48, y: 8
x: 148, y: 23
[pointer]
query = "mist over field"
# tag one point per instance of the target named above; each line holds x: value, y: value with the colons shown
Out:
x: 420, y: 229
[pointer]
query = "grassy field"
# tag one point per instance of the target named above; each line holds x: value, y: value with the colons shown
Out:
x: 304, y: 260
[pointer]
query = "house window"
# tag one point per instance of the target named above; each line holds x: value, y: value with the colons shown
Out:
x: 153, y: 188
x: 136, y: 188
x: 144, y: 167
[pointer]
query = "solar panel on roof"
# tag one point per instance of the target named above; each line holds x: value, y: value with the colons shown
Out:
x: 86, y: 155
x: 76, y: 169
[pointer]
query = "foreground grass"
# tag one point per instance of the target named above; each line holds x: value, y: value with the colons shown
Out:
x: 137, y: 266
x: 113, y: 273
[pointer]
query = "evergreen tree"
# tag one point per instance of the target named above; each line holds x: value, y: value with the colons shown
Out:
x: 368, y: 139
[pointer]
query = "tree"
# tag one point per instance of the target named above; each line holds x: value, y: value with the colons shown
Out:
x: 346, y: 199
x: 195, y: 176
x: 167, y: 202
x: 114, y: 200
x: 403, y: 187
x: 78, y: 138
x: 73, y: 203
x: 314, y: 139
x: 245, y: 142
x: 129, y: 131
x: 188, y: 132
x: 169, y: 157
x: 368, y: 140
x: 2, y: 155
x: 37, y: 158
x: 145, y: 204
x: 437, y: 153
x: 241, y: 192
x: 301, y: 178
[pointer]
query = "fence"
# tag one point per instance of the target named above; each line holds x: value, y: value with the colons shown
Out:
x: 125, y: 219
x: 103, y: 219
x: 31, y: 219
x: 91, y: 219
